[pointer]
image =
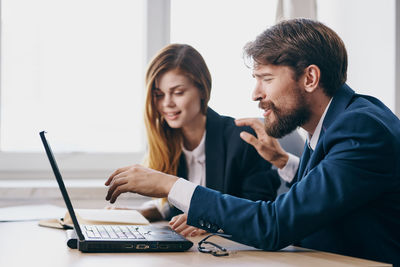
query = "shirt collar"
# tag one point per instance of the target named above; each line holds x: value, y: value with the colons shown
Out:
x: 198, y: 153
x: 313, y: 140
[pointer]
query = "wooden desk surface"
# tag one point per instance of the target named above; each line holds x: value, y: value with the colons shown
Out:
x: 27, y: 244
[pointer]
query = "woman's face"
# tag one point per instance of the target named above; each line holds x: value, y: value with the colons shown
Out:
x: 178, y: 100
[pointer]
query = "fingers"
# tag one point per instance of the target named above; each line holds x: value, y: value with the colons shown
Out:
x: 178, y: 224
x: 201, y: 231
x: 115, y: 188
x: 118, y: 171
x: 250, y: 139
x: 254, y: 123
x: 118, y: 191
x: 189, y: 231
x: 177, y: 221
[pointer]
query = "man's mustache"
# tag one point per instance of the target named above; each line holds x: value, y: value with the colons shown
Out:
x: 267, y: 105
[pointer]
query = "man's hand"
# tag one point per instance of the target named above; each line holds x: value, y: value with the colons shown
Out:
x: 141, y: 180
x: 178, y: 224
x: 267, y: 146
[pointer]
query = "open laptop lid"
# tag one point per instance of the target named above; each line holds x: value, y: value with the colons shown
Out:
x: 61, y: 185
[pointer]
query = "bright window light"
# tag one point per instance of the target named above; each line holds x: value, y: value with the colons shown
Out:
x: 75, y: 69
x: 219, y: 30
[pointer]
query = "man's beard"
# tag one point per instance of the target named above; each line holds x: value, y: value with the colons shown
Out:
x: 286, y: 121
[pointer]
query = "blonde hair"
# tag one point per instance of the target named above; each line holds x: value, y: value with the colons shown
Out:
x: 164, y: 142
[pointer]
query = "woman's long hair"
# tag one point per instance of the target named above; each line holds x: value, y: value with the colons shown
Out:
x: 164, y: 142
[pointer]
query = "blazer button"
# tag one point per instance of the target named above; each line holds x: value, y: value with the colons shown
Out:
x: 214, y: 228
x: 220, y: 231
x: 208, y: 225
x: 201, y: 223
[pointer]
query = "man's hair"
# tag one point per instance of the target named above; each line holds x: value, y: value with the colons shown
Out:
x: 299, y: 43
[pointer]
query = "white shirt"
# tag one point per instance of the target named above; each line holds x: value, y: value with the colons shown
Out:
x: 196, y: 162
x: 182, y: 191
x: 196, y: 166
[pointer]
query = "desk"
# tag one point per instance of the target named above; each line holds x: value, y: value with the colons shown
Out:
x: 27, y: 244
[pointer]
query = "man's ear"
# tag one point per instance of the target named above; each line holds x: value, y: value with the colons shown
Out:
x: 311, y: 77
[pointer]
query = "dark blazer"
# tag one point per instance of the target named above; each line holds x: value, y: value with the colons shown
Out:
x: 233, y: 166
x: 346, y: 201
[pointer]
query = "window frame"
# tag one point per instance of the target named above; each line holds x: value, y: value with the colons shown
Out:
x: 81, y: 165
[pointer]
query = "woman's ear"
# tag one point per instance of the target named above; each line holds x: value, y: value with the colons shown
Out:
x: 312, y: 75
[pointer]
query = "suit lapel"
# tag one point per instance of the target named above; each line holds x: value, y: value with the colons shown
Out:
x: 339, y: 103
x: 215, y: 151
x: 303, y: 161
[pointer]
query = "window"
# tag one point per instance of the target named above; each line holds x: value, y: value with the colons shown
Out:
x: 75, y: 69
x: 219, y: 30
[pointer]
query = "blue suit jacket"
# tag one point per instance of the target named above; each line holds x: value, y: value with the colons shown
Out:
x: 233, y: 166
x: 346, y: 201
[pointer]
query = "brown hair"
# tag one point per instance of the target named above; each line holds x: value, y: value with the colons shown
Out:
x: 165, y: 142
x: 298, y: 43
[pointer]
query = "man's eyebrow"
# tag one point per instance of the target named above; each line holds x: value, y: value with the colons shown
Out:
x: 260, y: 75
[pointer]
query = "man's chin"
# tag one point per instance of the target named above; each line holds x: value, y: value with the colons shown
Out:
x: 276, y: 130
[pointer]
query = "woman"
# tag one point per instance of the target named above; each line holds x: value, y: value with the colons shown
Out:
x: 188, y: 139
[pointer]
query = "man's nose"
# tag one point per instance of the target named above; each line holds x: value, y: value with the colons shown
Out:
x: 258, y: 92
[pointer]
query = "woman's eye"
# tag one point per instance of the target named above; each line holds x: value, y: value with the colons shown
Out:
x: 158, y: 95
x: 178, y: 92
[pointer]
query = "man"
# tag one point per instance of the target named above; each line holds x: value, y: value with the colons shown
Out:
x: 345, y: 193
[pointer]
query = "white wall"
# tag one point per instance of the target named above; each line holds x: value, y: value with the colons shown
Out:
x: 367, y: 28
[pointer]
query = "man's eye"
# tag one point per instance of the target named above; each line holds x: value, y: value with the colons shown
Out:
x: 178, y: 93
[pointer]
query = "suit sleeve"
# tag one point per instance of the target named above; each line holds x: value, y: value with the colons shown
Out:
x: 359, y: 164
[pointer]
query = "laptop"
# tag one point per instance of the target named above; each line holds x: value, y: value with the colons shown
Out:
x: 117, y: 238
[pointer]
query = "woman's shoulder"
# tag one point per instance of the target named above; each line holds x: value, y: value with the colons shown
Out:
x: 226, y: 124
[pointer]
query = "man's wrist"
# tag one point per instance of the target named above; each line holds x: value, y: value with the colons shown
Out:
x: 170, y: 183
x: 281, y: 161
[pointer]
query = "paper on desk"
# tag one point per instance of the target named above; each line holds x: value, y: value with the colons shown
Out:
x: 30, y: 213
x: 107, y: 216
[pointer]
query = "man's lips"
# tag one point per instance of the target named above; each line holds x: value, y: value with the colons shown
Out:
x: 267, y: 112
x: 267, y: 107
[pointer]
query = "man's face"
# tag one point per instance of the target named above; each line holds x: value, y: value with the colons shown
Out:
x: 282, y: 98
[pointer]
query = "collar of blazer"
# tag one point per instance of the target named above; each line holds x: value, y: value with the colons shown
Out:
x: 340, y: 102
x: 214, y: 151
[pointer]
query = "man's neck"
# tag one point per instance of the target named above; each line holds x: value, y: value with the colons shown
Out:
x: 320, y: 101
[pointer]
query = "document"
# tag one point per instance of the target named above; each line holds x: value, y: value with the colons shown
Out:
x: 30, y: 213
x: 98, y: 216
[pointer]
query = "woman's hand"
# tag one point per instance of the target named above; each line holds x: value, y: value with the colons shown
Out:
x: 178, y: 224
x: 141, y: 180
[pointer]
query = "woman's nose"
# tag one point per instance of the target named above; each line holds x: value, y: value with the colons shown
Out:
x: 168, y: 101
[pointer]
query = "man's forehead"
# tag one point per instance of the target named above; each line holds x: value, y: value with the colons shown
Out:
x: 269, y: 69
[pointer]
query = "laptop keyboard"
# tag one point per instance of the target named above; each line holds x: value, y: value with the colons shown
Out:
x: 113, y: 232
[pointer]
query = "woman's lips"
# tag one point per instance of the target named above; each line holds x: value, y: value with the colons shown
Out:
x: 171, y: 115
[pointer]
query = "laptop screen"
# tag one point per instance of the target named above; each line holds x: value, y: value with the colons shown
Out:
x: 60, y: 182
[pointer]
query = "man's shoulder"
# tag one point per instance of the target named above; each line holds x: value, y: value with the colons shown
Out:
x: 365, y: 121
x: 370, y: 111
